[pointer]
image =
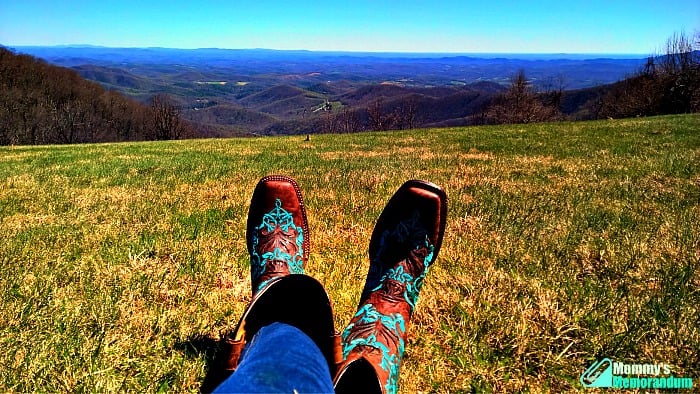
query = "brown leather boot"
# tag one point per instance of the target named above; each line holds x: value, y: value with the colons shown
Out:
x: 405, y: 242
x: 277, y: 234
x: 278, y: 242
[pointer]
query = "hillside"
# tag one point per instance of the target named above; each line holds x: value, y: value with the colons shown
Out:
x: 43, y: 104
x: 123, y: 265
x: 286, y: 88
x: 283, y: 101
x: 112, y: 78
x: 271, y: 95
x: 231, y: 116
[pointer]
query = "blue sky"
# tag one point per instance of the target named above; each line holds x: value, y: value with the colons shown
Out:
x: 579, y: 26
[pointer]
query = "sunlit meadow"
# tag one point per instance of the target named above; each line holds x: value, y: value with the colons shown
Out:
x: 123, y: 264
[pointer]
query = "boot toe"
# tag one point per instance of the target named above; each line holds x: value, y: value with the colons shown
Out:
x: 277, y: 230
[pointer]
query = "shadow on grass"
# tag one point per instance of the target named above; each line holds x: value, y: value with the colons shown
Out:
x: 213, y: 351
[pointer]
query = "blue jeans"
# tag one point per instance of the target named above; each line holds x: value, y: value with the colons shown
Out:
x: 279, y: 358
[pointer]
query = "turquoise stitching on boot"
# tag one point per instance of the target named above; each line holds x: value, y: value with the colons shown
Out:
x: 413, y: 286
x: 395, y: 325
x: 392, y: 326
x: 278, y: 217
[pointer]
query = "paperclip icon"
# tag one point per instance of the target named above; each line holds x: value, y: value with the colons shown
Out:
x: 598, y: 375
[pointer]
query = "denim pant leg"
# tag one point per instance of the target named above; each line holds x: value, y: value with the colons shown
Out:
x: 280, y: 358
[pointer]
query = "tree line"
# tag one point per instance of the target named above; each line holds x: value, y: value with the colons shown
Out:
x: 46, y: 104
x: 377, y: 116
x: 668, y: 84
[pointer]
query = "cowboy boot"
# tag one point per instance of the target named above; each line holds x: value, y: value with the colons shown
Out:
x: 405, y: 242
x: 277, y: 233
x: 278, y: 242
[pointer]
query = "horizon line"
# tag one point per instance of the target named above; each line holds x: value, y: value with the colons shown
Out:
x: 451, y: 53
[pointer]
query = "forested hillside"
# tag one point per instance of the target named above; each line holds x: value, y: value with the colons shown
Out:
x: 46, y: 104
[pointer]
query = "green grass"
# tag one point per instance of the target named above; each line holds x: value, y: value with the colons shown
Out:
x: 565, y: 243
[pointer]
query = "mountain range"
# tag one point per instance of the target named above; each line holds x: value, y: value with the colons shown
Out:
x: 283, y: 92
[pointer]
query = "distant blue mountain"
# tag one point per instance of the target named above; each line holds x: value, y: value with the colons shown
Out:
x: 575, y: 70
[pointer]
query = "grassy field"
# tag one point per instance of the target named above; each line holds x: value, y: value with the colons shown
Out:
x: 122, y: 264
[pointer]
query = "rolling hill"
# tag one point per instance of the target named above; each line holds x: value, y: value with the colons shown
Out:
x: 259, y: 91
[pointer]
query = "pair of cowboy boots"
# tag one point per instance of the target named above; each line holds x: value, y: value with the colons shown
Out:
x: 405, y: 242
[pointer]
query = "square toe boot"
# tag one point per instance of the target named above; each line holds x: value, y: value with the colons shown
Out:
x: 405, y: 242
x: 277, y: 238
x: 277, y: 233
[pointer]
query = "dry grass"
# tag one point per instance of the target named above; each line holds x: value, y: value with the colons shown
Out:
x: 122, y: 264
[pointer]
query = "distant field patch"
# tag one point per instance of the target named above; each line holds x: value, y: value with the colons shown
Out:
x: 211, y: 82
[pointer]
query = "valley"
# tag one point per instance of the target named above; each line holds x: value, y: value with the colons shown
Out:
x: 258, y: 91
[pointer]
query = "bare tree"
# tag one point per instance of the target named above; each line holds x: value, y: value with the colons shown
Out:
x: 330, y: 123
x: 678, y: 54
x: 167, y: 123
x: 405, y: 115
x: 553, y: 90
x: 348, y: 121
x: 520, y: 104
x: 677, y: 74
x: 377, y: 119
